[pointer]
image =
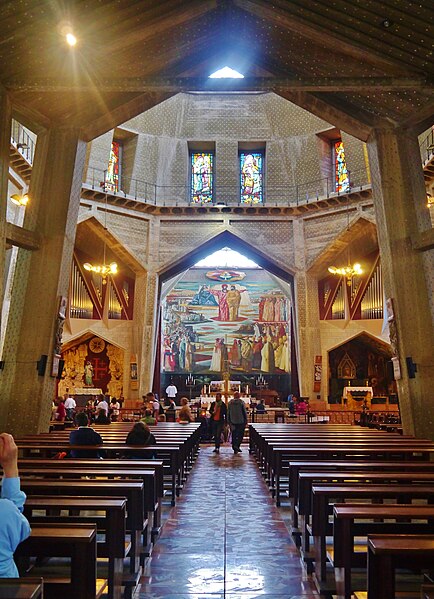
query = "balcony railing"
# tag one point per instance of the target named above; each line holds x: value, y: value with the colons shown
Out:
x: 22, y: 141
x: 427, y: 147
x: 179, y: 195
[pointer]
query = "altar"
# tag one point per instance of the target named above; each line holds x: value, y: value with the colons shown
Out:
x: 355, y: 397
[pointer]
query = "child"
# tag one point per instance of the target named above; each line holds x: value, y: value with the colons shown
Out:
x: 14, y: 527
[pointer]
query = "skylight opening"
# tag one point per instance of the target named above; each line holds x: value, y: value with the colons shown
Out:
x: 226, y: 73
x: 226, y: 258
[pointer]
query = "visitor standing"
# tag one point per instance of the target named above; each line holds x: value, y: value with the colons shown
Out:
x: 237, y: 418
x: 218, y: 418
x: 171, y: 391
x: 70, y: 405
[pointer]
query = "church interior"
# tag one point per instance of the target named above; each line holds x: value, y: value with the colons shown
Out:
x: 228, y: 196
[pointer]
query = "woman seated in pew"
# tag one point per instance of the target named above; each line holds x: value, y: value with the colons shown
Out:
x: 84, y: 435
x: 185, y: 414
x: 140, y: 435
x: 14, y: 527
x: 102, y: 418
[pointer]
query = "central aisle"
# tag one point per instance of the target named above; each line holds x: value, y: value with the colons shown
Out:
x: 225, y: 538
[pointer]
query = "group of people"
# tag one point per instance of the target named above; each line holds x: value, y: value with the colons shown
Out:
x: 101, y: 410
x: 234, y: 414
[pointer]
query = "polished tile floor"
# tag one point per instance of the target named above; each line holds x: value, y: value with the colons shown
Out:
x: 225, y: 539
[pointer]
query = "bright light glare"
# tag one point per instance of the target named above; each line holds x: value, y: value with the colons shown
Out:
x: 226, y: 73
x: 71, y: 39
x: 226, y: 258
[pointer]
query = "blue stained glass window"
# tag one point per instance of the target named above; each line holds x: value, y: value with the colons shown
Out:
x: 251, y: 177
x: 341, y: 172
x: 113, y: 169
x: 202, y: 177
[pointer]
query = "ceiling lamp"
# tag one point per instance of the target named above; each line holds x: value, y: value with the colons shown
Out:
x: 351, y: 270
x: 20, y: 200
x: 104, y: 270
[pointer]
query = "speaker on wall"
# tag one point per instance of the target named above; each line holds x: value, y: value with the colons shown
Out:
x: 61, y: 367
x: 41, y: 364
x: 411, y: 367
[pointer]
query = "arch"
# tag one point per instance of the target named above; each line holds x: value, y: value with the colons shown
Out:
x: 219, y: 241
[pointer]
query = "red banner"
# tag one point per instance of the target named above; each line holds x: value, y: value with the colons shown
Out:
x: 317, y: 374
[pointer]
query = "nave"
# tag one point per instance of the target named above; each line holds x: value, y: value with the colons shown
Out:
x: 225, y: 539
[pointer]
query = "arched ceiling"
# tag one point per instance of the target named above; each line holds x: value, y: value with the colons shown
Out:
x: 356, y: 64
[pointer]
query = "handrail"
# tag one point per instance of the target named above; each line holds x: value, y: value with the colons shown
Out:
x: 22, y: 141
x: 427, y: 147
x: 179, y: 195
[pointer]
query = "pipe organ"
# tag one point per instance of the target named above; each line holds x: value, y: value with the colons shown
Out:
x: 372, y: 302
x: 81, y: 305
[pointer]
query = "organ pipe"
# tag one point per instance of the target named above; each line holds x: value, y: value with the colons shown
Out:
x: 81, y: 304
x: 372, y: 301
x: 338, y: 308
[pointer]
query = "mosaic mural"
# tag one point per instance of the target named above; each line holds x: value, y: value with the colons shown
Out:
x: 215, y: 320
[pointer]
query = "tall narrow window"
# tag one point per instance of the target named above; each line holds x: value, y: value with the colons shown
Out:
x: 112, y: 179
x: 342, y: 179
x: 251, y: 177
x: 202, y: 176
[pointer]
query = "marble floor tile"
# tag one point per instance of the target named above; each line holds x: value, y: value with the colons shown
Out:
x: 225, y: 538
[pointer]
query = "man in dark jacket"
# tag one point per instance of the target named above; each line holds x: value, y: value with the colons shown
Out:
x: 218, y: 419
x: 237, y: 418
x: 84, y: 435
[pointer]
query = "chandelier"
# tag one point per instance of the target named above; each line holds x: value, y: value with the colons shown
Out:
x: 351, y: 270
x: 104, y: 269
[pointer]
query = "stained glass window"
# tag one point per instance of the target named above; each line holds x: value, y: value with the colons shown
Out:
x: 202, y: 177
x: 112, y: 178
x: 251, y: 176
x: 342, y: 178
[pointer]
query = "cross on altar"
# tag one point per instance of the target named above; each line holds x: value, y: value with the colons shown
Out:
x: 99, y: 367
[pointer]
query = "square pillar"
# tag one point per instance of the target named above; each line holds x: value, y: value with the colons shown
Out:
x: 401, y: 213
x: 41, y: 278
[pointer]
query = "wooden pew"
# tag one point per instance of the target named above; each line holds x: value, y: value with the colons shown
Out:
x: 19, y: 588
x: 115, y: 547
x: 388, y: 552
x: 332, y: 451
x: 169, y: 454
x: 75, y: 542
x: 306, y: 480
x: 133, y: 491
x: 125, y: 465
x: 345, y: 529
x: 77, y: 473
x: 325, y: 495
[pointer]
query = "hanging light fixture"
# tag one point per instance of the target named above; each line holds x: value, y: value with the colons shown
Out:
x: 20, y: 200
x: 103, y: 269
x: 350, y: 270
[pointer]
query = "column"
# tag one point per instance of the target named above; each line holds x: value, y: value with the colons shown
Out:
x: 308, y: 324
x: 401, y: 213
x: 150, y: 334
x: 41, y: 278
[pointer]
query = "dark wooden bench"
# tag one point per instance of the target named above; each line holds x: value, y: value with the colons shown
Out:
x: 117, y: 475
x: 133, y: 491
x: 112, y: 524
x: 345, y: 529
x: 19, y: 588
x: 75, y: 542
x: 323, y: 496
x: 78, y: 463
x: 306, y: 480
x: 386, y: 553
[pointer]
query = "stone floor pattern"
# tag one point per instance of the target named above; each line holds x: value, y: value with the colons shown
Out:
x: 225, y: 539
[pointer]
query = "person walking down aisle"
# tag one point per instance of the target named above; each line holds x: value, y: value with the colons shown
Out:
x: 218, y: 418
x: 14, y: 527
x: 237, y: 418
